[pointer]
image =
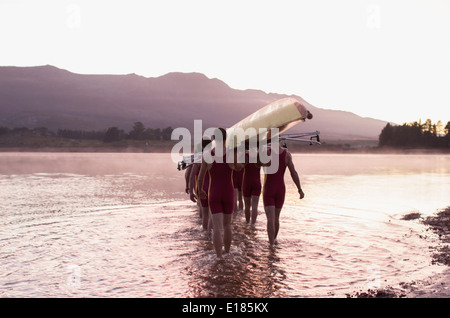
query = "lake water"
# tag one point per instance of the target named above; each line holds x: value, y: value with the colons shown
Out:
x: 120, y: 225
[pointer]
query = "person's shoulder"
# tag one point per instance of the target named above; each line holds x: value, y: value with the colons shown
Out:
x: 288, y: 156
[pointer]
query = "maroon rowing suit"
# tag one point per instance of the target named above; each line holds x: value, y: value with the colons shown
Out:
x: 221, y: 190
x: 237, y: 179
x: 251, y: 184
x: 274, y: 188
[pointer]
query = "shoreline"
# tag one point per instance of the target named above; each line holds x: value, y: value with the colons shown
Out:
x: 435, y: 286
x: 167, y: 148
x: 129, y: 149
x: 61, y: 144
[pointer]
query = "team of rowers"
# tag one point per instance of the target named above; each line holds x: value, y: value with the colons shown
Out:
x: 220, y: 188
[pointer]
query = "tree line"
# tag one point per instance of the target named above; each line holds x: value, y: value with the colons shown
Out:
x: 416, y: 134
x: 112, y: 134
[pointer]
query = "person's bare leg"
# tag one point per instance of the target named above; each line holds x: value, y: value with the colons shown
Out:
x: 210, y: 222
x: 270, y: 214
x: 277, y: 221
x: 217, y: 219
x: 205, y: 217
x: 247, y: 207
x: 241, y: 203
x: 255, y: 199
x: 227, y: 233
x: 236, y: 208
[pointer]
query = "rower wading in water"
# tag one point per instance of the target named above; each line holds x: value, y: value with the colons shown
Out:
x: 274, y: 190
x: 194, y: 189
x: 221, y: 194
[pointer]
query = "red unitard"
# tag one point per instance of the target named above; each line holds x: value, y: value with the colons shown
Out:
x: 251, y: 183
x: 274, y: 187
x: 221, y: 191
x: 237, y: 179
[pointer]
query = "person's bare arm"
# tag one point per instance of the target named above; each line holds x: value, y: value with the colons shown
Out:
x: 201, y: 178
x: 294, y: 174
x: 192, y: 182
x: 187, y: 177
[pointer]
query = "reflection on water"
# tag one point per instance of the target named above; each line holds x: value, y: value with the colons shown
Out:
x: 250, y: 269
x: 94, y: 225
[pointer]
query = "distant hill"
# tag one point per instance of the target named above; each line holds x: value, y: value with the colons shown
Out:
x: 46, y: 96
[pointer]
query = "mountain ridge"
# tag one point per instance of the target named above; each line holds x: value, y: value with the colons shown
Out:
x: 51, y: 97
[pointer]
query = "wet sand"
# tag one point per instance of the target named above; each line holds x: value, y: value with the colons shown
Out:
x: 436, y: 286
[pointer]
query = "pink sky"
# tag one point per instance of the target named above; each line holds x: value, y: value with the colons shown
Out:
x: 384, y: 59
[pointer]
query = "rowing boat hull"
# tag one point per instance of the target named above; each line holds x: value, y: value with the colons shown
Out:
x: 282, y: 114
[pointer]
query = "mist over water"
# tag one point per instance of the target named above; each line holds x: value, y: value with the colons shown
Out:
x: 104, y: 224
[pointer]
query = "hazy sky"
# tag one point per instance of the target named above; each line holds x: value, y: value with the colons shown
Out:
x: 383, y: 59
